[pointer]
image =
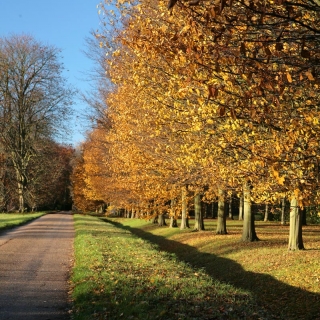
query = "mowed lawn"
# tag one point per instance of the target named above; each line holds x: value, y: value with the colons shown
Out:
x: 10, y: 220
x: 131, y: 269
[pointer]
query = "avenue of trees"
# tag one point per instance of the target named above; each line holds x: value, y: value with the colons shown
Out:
x: 207, y: 100
x: 34, y: 102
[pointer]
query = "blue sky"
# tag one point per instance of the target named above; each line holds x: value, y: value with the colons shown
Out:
x: 64, y: 24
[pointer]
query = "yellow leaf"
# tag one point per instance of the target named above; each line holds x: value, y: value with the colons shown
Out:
x: 281, y: 180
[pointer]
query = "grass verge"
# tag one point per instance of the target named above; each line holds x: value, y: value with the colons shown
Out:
x: 10, y: 220
x: 118, y: 275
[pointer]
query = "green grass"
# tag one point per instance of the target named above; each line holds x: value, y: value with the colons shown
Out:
x: 120, y: 275
x: 285, y: 283
x: 10, y: 220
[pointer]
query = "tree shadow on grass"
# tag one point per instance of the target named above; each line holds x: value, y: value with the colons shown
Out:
x: 282, y: 300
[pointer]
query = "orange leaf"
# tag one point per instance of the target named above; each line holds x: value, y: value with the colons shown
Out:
x: 310, y: 76
x: 212, y: 12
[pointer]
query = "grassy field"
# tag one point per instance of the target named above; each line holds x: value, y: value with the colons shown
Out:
x: 131, y: 269
x: 10, y: 220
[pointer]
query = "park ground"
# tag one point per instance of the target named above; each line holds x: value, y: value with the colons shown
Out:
x: 133, y: 269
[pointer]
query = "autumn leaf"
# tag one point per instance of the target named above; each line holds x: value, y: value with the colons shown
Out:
x: 289, y: 77
x: 310, y: 76
x: 212, y: 12
x: 281, y: 180
x: 213, y: 92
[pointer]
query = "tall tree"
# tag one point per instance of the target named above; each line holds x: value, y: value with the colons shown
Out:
x: 249, y: 231
x: 34, y: 101
x: 198, y: 219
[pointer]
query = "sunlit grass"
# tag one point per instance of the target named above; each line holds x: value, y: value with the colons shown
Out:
x: 120, y: 275
x: 288, y: 283
x: 9, y: 220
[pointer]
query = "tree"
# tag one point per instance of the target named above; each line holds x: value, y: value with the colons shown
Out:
x: 235, y: 91
x: 79, y: 186
x: 221, y: 223
x: 49, y: 177
x: 198, y: 219
x: 248, y: 232
x: 34, y: 102
x: 295, y: 234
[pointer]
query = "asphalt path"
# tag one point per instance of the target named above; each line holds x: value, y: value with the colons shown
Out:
x: 35, y: 261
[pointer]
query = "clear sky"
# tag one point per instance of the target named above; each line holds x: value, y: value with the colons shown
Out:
x: 64, y: 24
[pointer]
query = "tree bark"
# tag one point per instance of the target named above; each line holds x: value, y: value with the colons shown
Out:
x: 21, y: 197
x: 173, y: 220
x: 184, y: 223
x: 161, y: 220
x: 266, y: 213
x: 241, y: 208
x: 248, y: 231
x: 304, y: 216
x: 295, y: 233
x: 283, y: 211
x: 154, y: 219
x: 199, y: 224
x: 22, y: 182
x: 173, y: 223
x: 230, y: 208
x: 222, y: 221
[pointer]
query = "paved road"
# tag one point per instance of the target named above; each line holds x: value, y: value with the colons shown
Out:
x: 35, y: 261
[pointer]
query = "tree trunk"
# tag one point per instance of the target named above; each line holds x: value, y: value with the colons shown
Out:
x: 230, y: 208
x: 248, y: 231
x: 187, y: 221
x: 184, y: 222
x: 266, y: 213
x: 241, y: 209
x: 173, y: 223
x: 173, y: 220
x: 198, y: 224
x: 283, y: 211
x: 304, y: 216
x: 222, y: 221
x: 161, y: 220
x: 21, y: 197
x: 295, y: 234
x: 154, y: 219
